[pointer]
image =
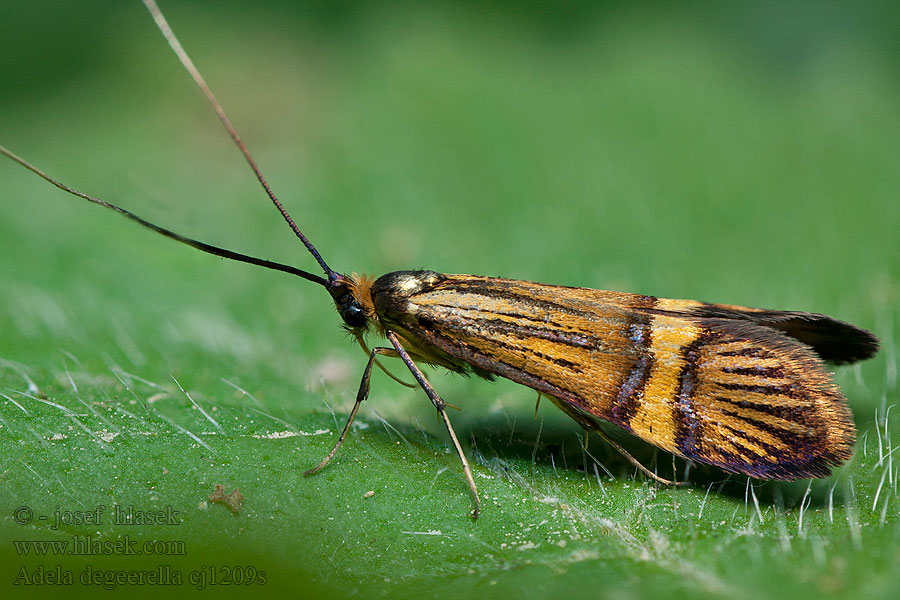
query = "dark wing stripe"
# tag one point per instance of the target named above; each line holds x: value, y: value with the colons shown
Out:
x: 632, y: 388
x: 688, y: 427
x: 768, y: 403
x: 747, y: 352
x: 577, y: 301
x: 789, y: 432
x: 767, y: 372
x: 517, y: 348
x: 767, y: 390
x: 798, y: 462
x: 525, y: 332
x: 475, y: 356
x: 508, y: 293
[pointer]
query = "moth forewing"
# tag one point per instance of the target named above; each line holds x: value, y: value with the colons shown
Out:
x: 733, y: 390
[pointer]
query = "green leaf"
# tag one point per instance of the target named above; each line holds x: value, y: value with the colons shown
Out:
x: 681, y: 153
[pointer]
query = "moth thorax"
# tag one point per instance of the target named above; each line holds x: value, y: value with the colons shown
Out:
x: 393, y: 293
x: 405, y: 283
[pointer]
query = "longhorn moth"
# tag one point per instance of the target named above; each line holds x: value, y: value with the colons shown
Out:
x: 742, y: 389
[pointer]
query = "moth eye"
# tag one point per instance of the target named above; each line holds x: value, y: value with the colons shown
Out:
x: 353, y: 314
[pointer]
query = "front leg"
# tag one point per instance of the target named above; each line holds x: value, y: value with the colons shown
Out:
x: 440, y: 405
x: 361, y: 395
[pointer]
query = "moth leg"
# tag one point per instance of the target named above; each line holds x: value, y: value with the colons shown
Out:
x: 590, y: 426
x: 636, y: 462
x: 362, y: 344
x: 440, y: 405
x: 361, y: 395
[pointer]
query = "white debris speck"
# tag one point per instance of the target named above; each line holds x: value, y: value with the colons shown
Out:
x: 107, y: 436
x: 280, y: 435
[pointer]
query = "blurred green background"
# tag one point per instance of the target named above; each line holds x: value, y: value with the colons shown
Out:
x: 727, y: 152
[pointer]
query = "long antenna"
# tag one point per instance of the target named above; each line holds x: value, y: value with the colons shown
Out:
x: 209, y: 248
x: 201, y: 83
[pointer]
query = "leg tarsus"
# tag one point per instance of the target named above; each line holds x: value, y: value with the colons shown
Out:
x: 361, y: 394
x: 467, y: 470
x: 441, y: 408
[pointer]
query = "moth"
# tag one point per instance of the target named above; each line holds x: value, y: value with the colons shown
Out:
x: 742, y: 389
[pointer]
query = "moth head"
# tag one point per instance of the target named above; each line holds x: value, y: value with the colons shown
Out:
x: 353, y: 300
